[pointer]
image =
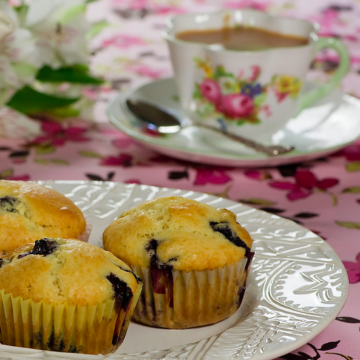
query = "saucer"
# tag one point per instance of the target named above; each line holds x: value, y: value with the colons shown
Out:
x: 324, y: 128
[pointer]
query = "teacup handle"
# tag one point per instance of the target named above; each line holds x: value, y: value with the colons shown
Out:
x: 316, y: 94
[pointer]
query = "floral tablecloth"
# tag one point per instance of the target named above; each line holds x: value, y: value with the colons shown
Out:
x: 322, y: 195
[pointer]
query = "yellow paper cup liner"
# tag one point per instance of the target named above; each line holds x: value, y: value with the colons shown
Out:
x: 179, y: 299
x: 97, y: 329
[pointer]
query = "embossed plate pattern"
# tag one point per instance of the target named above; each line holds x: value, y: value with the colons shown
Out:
x: 297, y: 284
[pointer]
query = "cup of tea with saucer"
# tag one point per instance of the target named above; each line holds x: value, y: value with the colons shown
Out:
x: 243, y: 71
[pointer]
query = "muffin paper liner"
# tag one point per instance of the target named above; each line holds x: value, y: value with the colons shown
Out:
x: 179, y: 299
x: 98, y: 329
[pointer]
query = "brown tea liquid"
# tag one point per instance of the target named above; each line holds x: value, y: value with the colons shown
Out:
x: 242, y: 38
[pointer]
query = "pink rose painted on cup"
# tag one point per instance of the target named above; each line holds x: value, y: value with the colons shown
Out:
x: 223, y: 96
x: 219, y: 106
x: 238, y: 105
x: 210, y: 89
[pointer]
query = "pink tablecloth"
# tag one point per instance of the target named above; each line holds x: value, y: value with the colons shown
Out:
x: 322, y: 195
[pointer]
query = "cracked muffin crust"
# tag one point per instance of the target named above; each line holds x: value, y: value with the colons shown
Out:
x: 179, y: 233
x: 90, y: 287
x: 29, y: 212
x: 193, y: 260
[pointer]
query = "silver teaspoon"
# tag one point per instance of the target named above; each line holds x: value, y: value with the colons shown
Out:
x: 164, y: 122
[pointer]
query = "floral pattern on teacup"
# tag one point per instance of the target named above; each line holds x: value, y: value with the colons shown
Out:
x: 285, y: 86
x: 239, y: 98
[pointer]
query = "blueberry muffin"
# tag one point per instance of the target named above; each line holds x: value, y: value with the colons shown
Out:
x: 66, y: 295
x: 29, y: 212
x: 193, y: 260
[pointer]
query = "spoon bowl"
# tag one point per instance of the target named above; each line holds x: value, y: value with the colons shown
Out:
x: 162, y: 121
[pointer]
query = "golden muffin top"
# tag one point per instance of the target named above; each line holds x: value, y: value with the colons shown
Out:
x: 67, y: 271
x: 29, y: 212
x: 177, y: 233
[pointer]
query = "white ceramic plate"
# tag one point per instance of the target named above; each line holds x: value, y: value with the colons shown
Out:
x: 324, y: 128
x: 296, y: 287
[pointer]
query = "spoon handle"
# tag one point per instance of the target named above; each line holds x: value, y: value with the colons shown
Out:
x: 269, y: 150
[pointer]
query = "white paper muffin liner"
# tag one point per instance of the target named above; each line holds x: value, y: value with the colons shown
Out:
x: 96, y: 329
x: 179, y: 299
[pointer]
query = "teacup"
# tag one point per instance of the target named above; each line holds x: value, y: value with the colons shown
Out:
x: 252, y: 93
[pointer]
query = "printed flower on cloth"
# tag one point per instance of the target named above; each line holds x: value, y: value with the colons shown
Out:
x: 236, y: 98
x: 306, y: 183
x: 353, y: 269
x: 56, y: 135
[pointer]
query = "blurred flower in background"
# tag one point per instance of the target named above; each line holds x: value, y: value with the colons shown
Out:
x: 44, y: 60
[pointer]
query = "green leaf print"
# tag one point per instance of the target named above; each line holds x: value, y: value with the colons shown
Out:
x: 257, y: 201
x: 348, y: 224
x: 253, y: 121
x: 6, y: 173
x: 51, y: 161
x: 41, y: 161
x: 96, y: 28
x: 90, y: 154
x: 197, y: 93
x: 59, y: 162
x: 198, y: 61
x: 64, y: 112
x: 260, y: 99
x: 353, y: 166
x: 354, y: 190
x: 205, y: 110
x: 220, y: 71
x: 272, y: 81
x: 44, y: 149
x: 242, y: 83
x: 341, y: 355
x: 240, y: 122
x: 249, y: 121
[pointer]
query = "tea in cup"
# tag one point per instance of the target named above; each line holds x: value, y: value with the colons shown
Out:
x: 243, y: 71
